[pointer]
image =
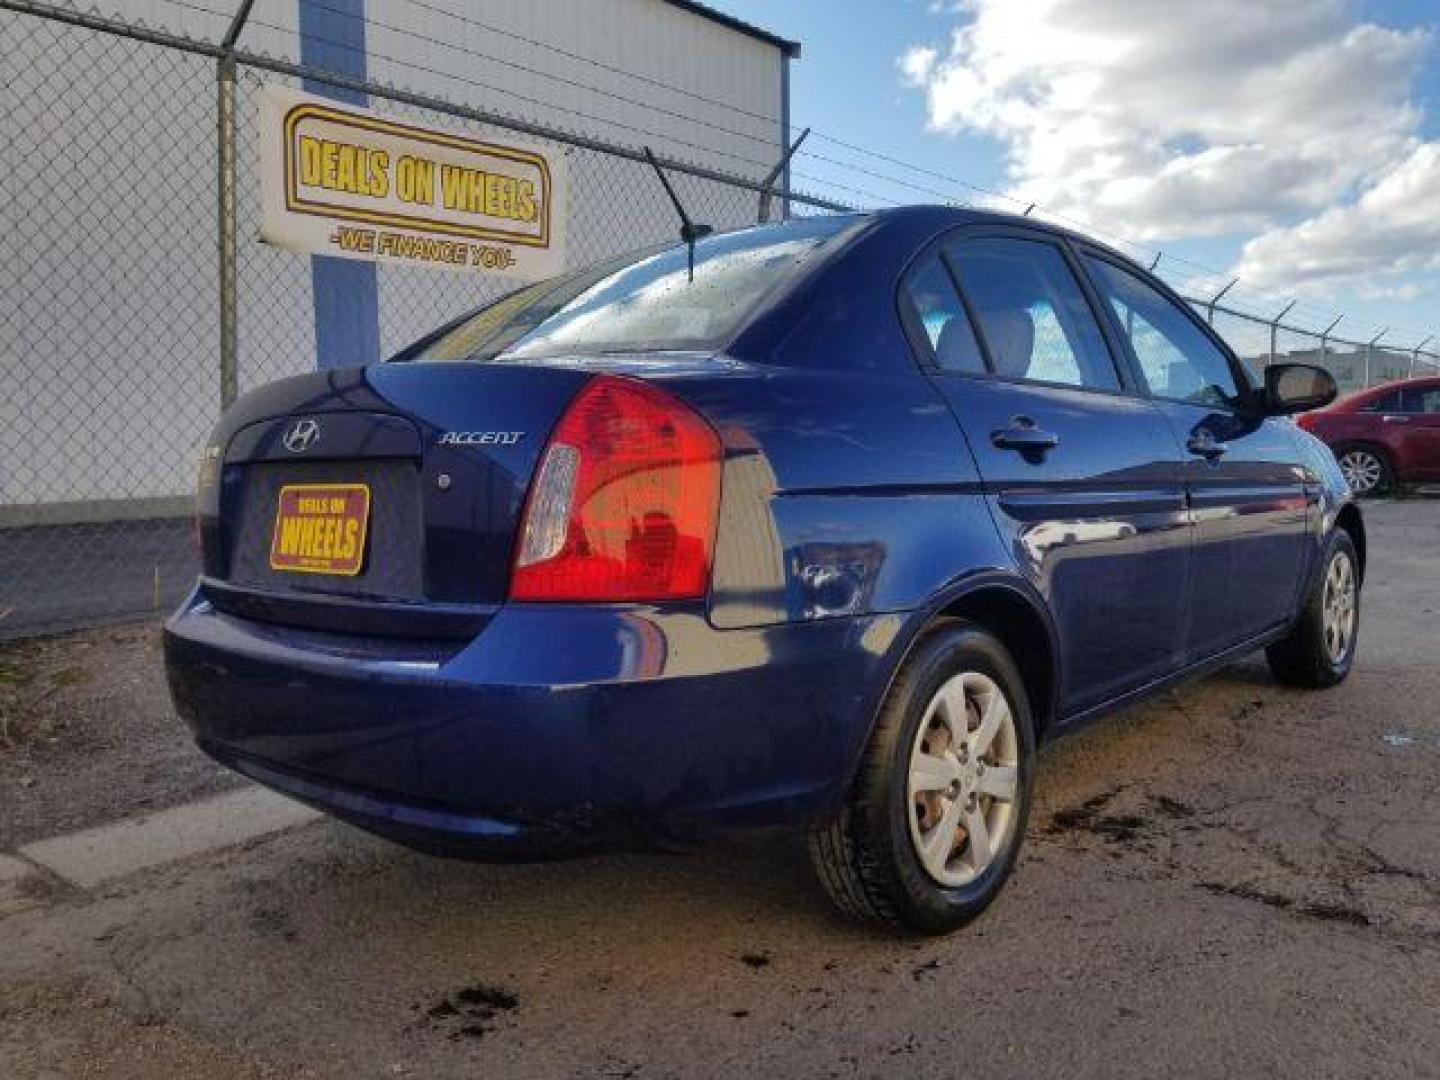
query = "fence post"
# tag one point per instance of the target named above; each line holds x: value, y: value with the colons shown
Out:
x: 1369, y: 350
x: 1415, y: 354
x: 1274, y: 326
x: 779, y: 172
x: 1210, y: 304
x: 225, y: 78
x: 1325, y: 336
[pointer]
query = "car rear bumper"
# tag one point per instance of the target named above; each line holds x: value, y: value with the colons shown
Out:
x: 555, y: 728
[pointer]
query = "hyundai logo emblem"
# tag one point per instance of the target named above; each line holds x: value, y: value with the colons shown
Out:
x: 302, y: 435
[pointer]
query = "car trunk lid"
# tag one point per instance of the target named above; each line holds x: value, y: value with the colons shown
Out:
x: 430, y: 462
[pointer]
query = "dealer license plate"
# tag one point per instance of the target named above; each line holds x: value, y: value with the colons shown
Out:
x: 320, y: 529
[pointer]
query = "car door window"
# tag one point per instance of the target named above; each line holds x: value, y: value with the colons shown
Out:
x: 936, y: 306
x: 1385, y: 403
x: 1177, y: 359
x: 1421, y: 401
x: 1032, y: 314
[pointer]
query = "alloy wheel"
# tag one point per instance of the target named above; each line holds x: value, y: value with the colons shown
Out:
x: 964, y: 778
x: 1362, y: 470
x: 1338, y: 607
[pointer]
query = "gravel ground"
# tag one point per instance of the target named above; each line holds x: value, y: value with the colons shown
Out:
x: 1234, y: 880
x: 87, y: 734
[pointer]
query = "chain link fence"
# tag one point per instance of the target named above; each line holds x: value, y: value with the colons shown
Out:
x: 106, y: 347
x: 1354, y: 364
x: 110, y: 333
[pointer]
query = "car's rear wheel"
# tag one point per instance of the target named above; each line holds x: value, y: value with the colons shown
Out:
x: 1366, y: 470
x: 1320, y: 650
x: 937, y: 814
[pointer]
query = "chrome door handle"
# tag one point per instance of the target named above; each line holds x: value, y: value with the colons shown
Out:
x: 1023, y: 435
x: 1395, y: 419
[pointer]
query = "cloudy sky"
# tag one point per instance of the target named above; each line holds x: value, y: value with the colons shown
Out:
x: 1294, y: 143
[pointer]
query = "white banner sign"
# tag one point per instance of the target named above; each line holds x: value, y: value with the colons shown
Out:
x: 342, y: 180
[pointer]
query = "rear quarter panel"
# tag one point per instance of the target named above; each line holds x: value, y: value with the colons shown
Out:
x: 844, y: 493
x: 849, y: 486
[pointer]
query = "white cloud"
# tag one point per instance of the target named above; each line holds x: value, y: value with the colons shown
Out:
x: 917, y: 63
x: 1165, y: 121
x: 1393, y: 227
x: 1410, y: 290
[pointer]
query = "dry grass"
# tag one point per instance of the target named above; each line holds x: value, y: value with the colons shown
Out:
x: 27, y: 683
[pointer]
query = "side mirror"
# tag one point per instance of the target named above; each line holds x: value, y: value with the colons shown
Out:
x: 1293, y: 388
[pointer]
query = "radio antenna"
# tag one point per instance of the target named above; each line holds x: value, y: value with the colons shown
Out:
x: 690, y: 231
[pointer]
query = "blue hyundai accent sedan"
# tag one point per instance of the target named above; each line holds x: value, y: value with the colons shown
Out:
x: 828, y: 535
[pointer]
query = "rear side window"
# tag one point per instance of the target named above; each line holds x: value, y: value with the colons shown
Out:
x: 1033, y: 317
x: 1177, y: 359
x: 1421, y: 400
x: 936, y: 306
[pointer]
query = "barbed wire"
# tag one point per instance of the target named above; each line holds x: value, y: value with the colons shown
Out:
x: 1261, y: 308
x: 490, y: 88
x: 589, y: 88
x: 577, y: 57
x: 1198, y: 276
x: 826, y: 183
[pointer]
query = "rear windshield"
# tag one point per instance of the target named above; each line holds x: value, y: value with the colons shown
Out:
x: 641, y: 301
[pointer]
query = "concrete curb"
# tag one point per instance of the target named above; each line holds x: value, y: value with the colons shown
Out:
x: 94, y: 856
x: 13, y: 895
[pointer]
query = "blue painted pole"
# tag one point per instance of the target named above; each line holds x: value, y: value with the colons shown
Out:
x: 347, y: 299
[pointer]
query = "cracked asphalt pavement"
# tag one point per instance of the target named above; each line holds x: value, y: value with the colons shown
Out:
x: 1233, y: 880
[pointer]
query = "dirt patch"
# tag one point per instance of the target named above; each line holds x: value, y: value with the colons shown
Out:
x: 87, y: 734
x: 28, y: 683
x: 89, y: 1025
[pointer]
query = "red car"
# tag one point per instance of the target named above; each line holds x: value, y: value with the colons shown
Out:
x: 1385, y: 436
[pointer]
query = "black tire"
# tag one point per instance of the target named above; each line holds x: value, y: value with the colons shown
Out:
x: 865, y: 858
x: 1381, y: 468
x: 1303, y: 657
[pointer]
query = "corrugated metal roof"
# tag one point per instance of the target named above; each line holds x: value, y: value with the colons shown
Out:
x: 705, y: 11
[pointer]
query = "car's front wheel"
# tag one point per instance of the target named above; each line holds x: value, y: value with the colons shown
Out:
x: 1320, y: 649
x: 934, y: 822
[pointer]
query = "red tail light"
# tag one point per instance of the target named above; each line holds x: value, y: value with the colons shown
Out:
x: 624, y: 504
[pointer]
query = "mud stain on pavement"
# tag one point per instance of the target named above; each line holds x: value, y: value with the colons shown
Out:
x: 472, y: 1012
x: 1124, y: 829
x: 1326, y: 912
x: 1171, y: 807
x: 273, y: 922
